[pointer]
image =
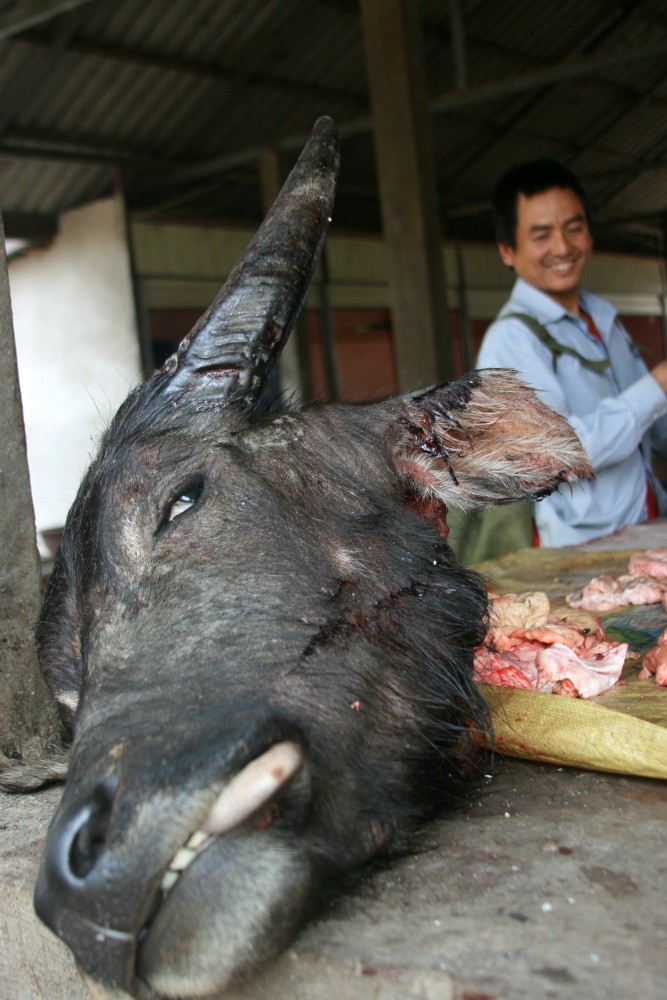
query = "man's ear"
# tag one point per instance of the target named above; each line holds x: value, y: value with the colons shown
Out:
x: 506, y: 254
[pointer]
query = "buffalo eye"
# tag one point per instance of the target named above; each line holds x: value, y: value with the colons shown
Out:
x: 184, y: 498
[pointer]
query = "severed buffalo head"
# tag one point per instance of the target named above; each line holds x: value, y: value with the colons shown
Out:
x: 257, y: 633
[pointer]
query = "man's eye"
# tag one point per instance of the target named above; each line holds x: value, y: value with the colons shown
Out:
x: 186, y: 498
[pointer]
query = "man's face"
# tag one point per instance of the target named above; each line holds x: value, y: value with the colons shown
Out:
x: 553, y: 244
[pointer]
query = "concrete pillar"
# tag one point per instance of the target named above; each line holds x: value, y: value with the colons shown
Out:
x: 408, y: 195
x: 28, y: 718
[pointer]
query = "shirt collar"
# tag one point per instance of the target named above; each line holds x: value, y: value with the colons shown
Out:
x: 546, y: 310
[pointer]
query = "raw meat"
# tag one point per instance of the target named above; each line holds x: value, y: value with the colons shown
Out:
x: 644, y: 583
x: 519, y: 610
x: 655, y: 662
x: 562, y: 651
x: 588, y: 675
x: 605, y: 593
x: 602, y: 593
x: 653, y: 562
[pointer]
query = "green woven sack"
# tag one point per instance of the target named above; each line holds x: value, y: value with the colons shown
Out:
x: 486, y: 534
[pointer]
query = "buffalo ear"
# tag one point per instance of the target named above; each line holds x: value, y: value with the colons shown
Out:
x: 485, y: 439
x: 230, y: 351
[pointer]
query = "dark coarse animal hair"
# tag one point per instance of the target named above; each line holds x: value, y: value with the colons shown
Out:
x: 530, y: 178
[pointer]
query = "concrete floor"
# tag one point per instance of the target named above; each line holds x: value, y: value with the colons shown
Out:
x: 551, y: 885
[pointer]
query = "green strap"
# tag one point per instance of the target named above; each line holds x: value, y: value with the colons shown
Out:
x: 638, y: 349
x: 554, y: 346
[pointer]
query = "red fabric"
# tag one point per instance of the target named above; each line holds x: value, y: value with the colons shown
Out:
x: 592, y: 328
x: 651, y: 503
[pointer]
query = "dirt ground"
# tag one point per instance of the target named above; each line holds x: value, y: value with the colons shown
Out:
x: 550, y: 885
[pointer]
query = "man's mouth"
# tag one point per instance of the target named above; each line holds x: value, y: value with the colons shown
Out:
x: 562, y: 267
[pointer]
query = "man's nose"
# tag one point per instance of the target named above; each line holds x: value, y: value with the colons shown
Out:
x: 560, y: 243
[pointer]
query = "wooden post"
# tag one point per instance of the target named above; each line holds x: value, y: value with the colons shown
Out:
x: 408, y: 195
x: 28, y: 719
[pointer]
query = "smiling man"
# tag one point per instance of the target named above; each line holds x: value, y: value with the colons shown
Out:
x: 570, y: 345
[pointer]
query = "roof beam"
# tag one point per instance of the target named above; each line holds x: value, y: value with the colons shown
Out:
x: 17, y: 147
x: 29, y: 226
x: 28, y: 13
x: 568, y: 70
x: 457, y: 31
x: 451, y: 101
x: 20, y: 145
x: 191, y: 67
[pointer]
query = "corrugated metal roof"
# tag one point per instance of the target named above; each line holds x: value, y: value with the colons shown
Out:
x: 141, y: 89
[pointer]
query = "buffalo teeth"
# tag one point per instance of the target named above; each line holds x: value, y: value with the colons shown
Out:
x: 169, y: 880
x: 183, y: 858
x: 249, y: 794
x: 198, y: 838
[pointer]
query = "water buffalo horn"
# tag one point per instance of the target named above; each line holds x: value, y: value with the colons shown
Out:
x: 230, y: 351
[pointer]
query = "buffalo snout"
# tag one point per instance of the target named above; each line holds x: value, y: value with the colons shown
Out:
x: 67, y: 896
x: 134, y: 867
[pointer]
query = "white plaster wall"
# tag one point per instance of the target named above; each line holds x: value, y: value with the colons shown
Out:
x: 77, y: 347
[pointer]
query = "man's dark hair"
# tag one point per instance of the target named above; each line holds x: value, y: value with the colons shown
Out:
x: 530, y: 179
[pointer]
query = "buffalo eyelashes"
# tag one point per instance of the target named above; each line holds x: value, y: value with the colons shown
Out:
x: 184, y: 498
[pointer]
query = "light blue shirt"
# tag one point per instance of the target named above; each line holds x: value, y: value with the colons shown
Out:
x: 619, y: 414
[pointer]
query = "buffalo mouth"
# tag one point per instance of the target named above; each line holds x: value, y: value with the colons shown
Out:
x: 248, y: 801
x: 196, y: 899
x: 170, y: 954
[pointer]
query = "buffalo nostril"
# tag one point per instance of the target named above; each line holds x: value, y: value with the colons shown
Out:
x: 89, y: 840
x: 70, y: 891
